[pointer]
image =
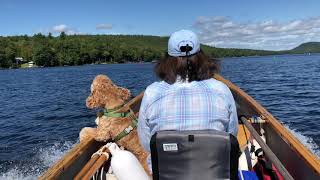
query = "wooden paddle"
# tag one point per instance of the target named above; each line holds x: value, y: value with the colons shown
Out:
x: 93, y: 164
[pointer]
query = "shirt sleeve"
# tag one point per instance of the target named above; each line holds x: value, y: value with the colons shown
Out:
x: 233, y: 117
x: 143, y: 127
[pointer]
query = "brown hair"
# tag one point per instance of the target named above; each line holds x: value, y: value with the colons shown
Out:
x: 200, y: 67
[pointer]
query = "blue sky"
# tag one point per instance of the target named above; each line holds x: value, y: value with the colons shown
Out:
x: 259, y: 24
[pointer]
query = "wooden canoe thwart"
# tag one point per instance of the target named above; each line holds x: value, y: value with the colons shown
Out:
x: 294, y: 156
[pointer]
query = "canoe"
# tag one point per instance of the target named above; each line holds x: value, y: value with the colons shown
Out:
x: 300, y: 162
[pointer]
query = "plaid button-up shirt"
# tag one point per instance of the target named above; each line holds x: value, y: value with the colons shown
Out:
x: 198, y: 105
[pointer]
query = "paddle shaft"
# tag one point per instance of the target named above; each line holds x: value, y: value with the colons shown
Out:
x: 271, y: 156
x: 87, y: 167
x: 101, y: 160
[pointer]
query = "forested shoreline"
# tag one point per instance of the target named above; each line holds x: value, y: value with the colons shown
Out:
x: 47, y: 50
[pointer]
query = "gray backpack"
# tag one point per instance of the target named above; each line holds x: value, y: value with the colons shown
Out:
x: 194, y: 155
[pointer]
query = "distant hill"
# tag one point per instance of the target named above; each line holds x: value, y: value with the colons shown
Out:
x: 309, y: 47
x: 47, y: 50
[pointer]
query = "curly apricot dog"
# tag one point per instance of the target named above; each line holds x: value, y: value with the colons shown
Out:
x: 105, y: 94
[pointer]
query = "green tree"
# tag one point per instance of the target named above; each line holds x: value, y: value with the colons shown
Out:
x: 10, y: 55
x: 62, y: 35
x: 45, y: 56
x: 50, y: 35
x: 4, y: 62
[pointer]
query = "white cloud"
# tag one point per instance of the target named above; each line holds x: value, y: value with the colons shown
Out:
x: 222, y: 31
x: 104, y: 26
x: 60, y: 28
x: 64, y: 28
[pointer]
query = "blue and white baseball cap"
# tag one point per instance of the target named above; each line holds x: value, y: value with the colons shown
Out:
x: 183, y: 38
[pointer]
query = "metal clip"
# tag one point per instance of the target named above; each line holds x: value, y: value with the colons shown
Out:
x: 128, y: 129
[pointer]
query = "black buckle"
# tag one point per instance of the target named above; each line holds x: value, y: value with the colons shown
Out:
x: 186, y: 48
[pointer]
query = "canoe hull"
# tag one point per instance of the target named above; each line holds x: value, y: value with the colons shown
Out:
x: 293, y: 161
x: 73, y: 161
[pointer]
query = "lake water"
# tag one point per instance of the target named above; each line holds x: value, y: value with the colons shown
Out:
x: 42, y: 110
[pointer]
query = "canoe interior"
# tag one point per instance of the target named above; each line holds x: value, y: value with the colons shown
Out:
x: 294, y: 162
x: 297, y: 159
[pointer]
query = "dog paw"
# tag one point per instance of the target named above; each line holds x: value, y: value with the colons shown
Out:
x: 87, y: 132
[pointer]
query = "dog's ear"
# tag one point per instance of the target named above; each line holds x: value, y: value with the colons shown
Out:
x: 106, y: 94
x: 99, y: 87
x: 124, y: 93
x: 114, y: 90
x: 94, y: 100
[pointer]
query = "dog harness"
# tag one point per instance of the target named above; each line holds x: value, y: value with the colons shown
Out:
x: 113, y: 113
